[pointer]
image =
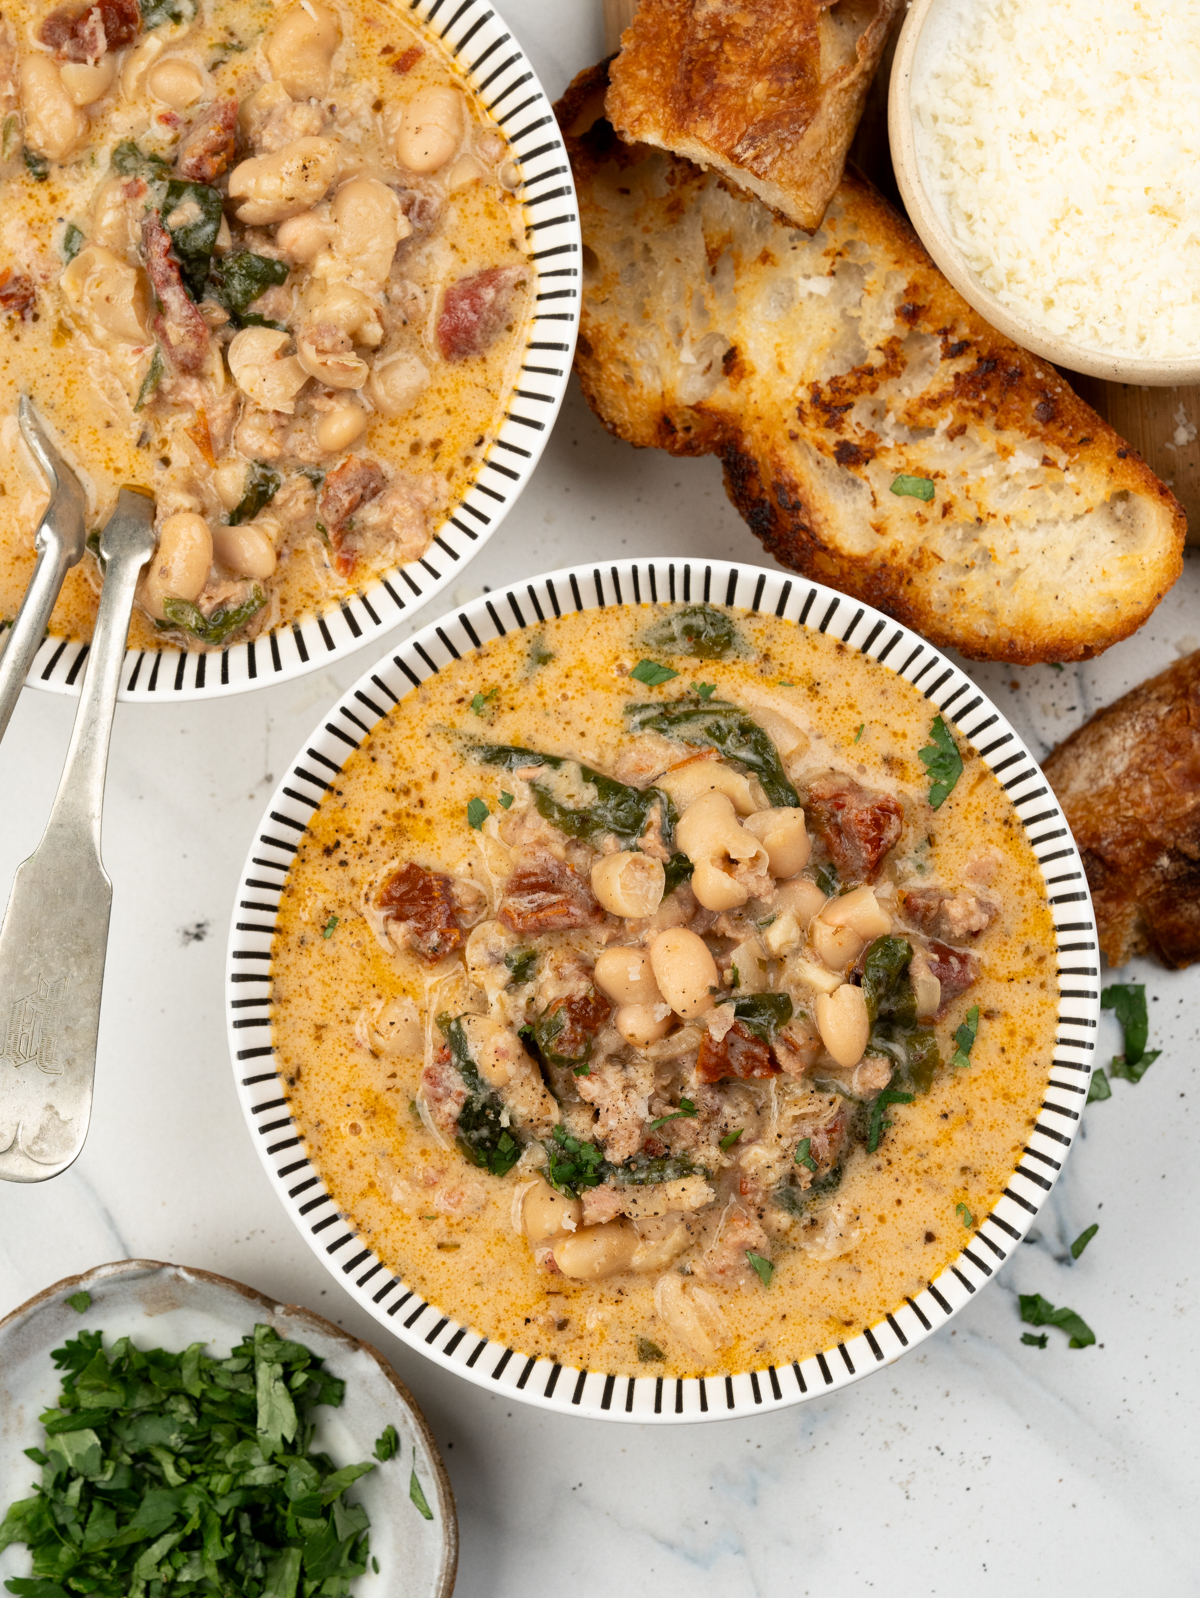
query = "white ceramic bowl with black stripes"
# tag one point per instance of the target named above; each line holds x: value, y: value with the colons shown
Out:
x: 491, y: 60
x: 332, y: 1235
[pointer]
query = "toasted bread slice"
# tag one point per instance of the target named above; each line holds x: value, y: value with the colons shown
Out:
x: 1129, y: 781
x: 836, y: 375
x: 766, y: 92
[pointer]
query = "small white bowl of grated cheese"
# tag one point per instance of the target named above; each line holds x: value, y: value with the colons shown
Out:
x: 1050, y: 161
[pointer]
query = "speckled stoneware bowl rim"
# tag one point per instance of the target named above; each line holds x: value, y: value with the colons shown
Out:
x: 289, y: 1320
x: 489, y: 57
x: 332, y: 1236
x: 927, y: 220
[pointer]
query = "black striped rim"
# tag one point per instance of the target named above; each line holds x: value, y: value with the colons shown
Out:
x: 597, y: 1393
x: 499, y: 72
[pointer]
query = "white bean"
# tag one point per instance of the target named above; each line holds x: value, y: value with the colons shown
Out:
x: 784, y: 734
x: 339, y: 427
x: 465, y: 171
x: 801, y: 896
x: 86, y: 81
x: 111, y: 294
x: 710, y: 835
x: 836, y: 946
x: 273, y: 187
x: 702, y: 775
x: 303, y: 237
x: 300, y: 49
x: 859, y: 910
x: 247, y: 550
x: 137, y: 63
x: 927, y: 989
x: 625, y: 976
x: 396, y: 384
x: 180, y: 565
x: 370, y: 224
x: 229, y: 480
x: 176, y: 82
x: 327, y: 354
x: 54, y: 124
x: 261, y: 370
x: 784, y: 934
x: 548, y: 1216
x: 596, y: 1251
x: 629, y: 884
x: 783, y: 835
x: 346, y: 308
x: 843, y: 1023
x: 643, y: 1024
x: 431, y: 129
x: 684, y: 970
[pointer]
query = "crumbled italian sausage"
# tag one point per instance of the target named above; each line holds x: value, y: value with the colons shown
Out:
x: 207, y: 148
x: 182, y: 331
x: 941, y: 914
x: 85, y: 33
x: 355, y: 483
x: 857, y: 825
x: 475, y: 310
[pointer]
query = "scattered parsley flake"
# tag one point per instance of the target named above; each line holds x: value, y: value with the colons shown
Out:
x: 1038, y: 1311
x: 761, y: 1267
x: 482, y: 703
x: 964, y: 1040
x: 1099, y: 1088
x: 859, y: 733
x: 1032, y: 1341
x: 477, y: 813
x: 685, y: 1112
x: 877, y: 1126
x: 330, y: 927
x: 648, y: 1351
x: 942, y: 761
x: 913, y: 487
x: 415, y: 1493
x: 1128, y: 1002
x: 387, y: 1443
x: 964, y: 1215
x: 1084, y: 1238
x: 803, y: 1155
x: 705, y: 689
x: 652, y: 674
x: 506, y: 800
x: 80, y: 1302
x: 1056, y: 665
x: 581, y: 1070
x: 731, y: 1138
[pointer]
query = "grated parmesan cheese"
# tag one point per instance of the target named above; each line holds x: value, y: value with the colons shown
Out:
x: 1062, y: 145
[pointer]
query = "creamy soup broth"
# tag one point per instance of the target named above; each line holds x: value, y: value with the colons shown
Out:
x: 799, y: 1244
x: 301, y: 347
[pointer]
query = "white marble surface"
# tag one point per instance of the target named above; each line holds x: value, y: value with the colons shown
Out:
x: 975, y: 1465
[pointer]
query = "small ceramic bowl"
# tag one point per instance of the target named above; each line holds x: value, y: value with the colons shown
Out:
x: 332, y: 1236
x: 923, y: 37
x: 169, y: 1306
x: 482, y: 48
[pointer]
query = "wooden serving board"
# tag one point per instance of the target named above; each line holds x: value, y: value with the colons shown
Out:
x: 1162, y: 424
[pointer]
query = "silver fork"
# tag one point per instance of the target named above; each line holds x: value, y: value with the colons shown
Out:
x: 55, y: 932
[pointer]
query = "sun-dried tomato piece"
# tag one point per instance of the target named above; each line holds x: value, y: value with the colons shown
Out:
x: 567, y: 1027
x: 208, y: 146
x: 739, y: 1053
x: 475, y: 309
x: 443, y: 1089
x: 355, y: 483
x: 18, y: 294
x: 420, y: 905
x: 85, y: 33
x: 955, y: 969
x: 545, y: 894
x: 857, y: 825
x: 182, y: 331
x: 407, y: 60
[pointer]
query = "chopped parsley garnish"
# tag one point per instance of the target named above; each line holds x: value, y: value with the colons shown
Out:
x: 80, y: 1302
x: 151, y: 380
x: 648, y: 1351
x: 652, y: 673
x: 964, y: 1040
x: 522, y: 963
x: 166, y: 1472
x: 1032, y: 1340
x: 803, y: 1155
x: 37, y: 165
x: 1099, y: 1087
x: 1084, y: 1238
x: 477, y: 813
x: 964, y: 1215
x: 1038, y: 1311
x: 261, y: 486
x: 761, y: 1267
x: 877, y: 1126
x: 704, y: 689
x: 387, y: 1443
x: 330, y: 927
x: 685, y: 1112
x: 539, y: 655
x: 506, y: 800
x: 913, y: 487
x: 574, y: 1164
x: 482, y: 702
x: 859, y: 733
x: 1056, y: 665
x: 942, y: 761
x: 731, y: 1138
x: 415, y: 1493
x: 1128, y: 1001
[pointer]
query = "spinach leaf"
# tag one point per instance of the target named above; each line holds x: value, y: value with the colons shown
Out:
x: 574, y: 1164
x: 72, y: 241
x: 1038, y: 1311
x: 721, y: 726
x: 155, y: 13
x: 191, y: 214
x: 624, y: 811
x: 218, y: 627
x: 132, y: 162
x: 262, y: 485
x: 763, y: 1013
x: 522, y: 963
x: 482, y: 1135
x: 644, y: 1170
x: 942, y: 761
x: 150, y: 382
x: 236, y: 281
x: 892, y: 1010
x: 36, y: 165
x: 698, y: 630
x: 648, y: 1351
x: 1128, y: 1001
x: 679, y: 869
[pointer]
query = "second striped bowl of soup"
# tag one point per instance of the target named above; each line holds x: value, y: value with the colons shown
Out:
x: 645, y: 990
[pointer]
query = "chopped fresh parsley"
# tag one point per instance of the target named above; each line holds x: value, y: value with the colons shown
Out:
x: 482, y: 703
x: 36, y: 165
x: 1038, y: 1311
x: 648, y: 1351
x: 685, y: 1112
x: 1084, y: 1238
x: 522, y: 963
x: 1056, y: 665
x: 477, y: 813
x: 1032, y: 1340
x: 1099, y: 1087
x: 761, y: 1267
x: 731, y: 1138
x: 574, y: 1164
x: 652, y: 673
x: 803, y: 1155
x: 330, y: 927
x: 80, y: 1302
x: 260, y: 488
x: 415, y: 1493
x: 877, y: 1126
x: 705, y: 690
x: 151, y: 380
x: 859, y: 733
x: 387, y: 1443
x: 964, y: 1040
x: 913, y: 487
x: 167, y: 1472
x: 539, y: 655
x: 964, y: 1215
x: 506, y: 800
x: 942, y: 761
x: 1128, y: 1002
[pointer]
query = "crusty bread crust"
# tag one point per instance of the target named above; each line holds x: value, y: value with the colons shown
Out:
x: 766, y: 92
x: 1129, y: 782
x: 821, y: 370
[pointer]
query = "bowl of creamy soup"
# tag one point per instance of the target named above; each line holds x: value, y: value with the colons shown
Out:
x: 663, y: 990
x: 307, y: 273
